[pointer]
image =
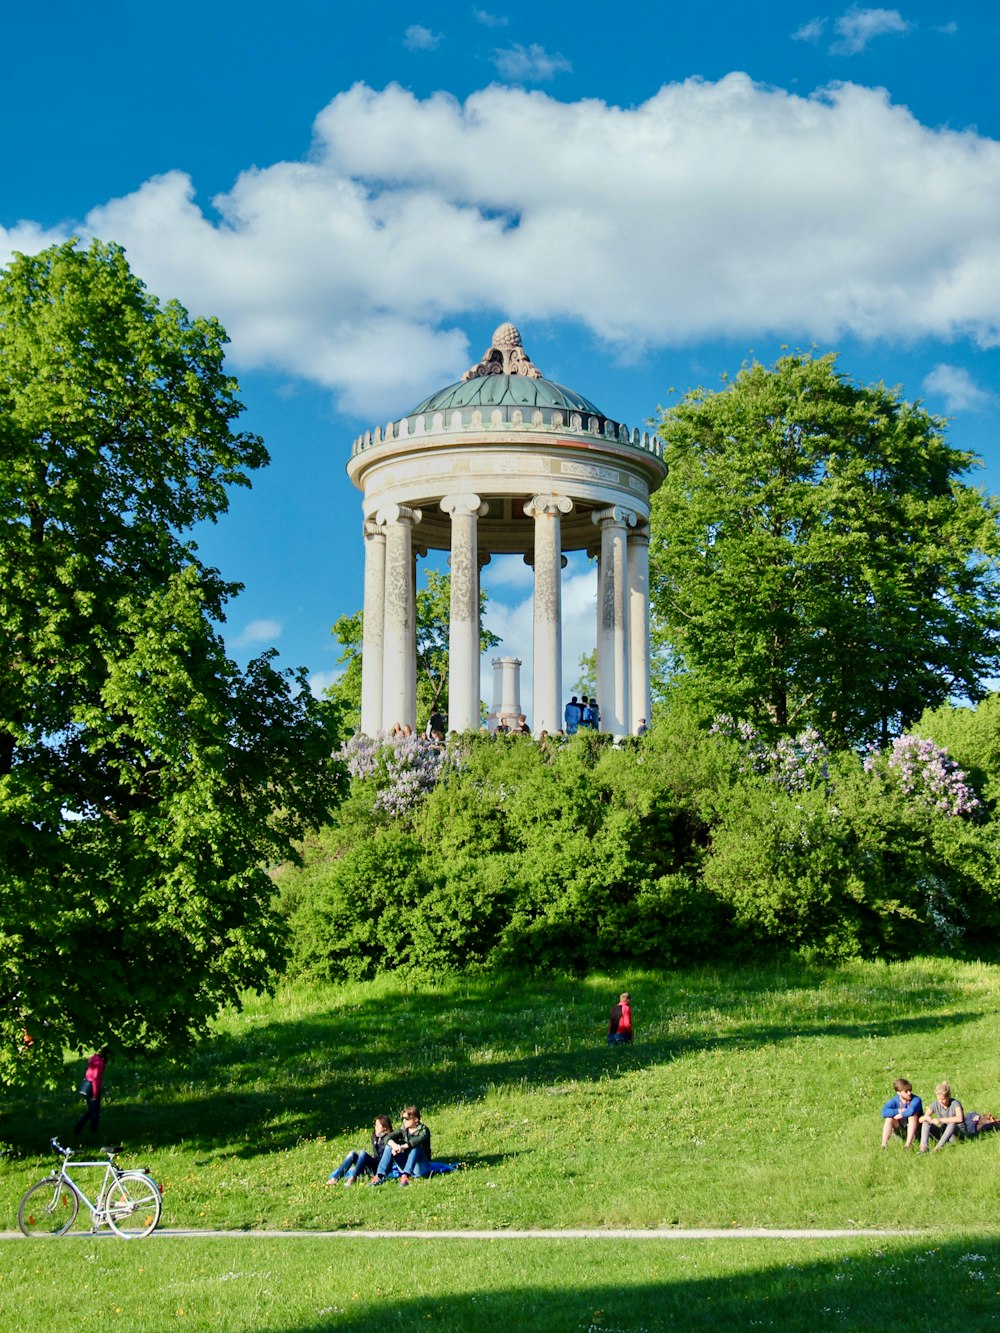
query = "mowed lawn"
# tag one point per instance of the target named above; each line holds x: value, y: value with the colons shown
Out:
x: 750, y: 1098
x: 499, y: 1285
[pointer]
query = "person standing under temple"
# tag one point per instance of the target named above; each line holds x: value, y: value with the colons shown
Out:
x: 572, y: 716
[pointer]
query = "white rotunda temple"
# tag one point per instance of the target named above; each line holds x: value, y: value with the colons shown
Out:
x: 505, y: 461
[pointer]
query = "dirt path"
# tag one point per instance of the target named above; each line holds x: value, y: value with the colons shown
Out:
x: 583, y: 1233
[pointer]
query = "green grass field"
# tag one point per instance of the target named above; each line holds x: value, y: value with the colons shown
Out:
x: 589, y: 1286
x: 750, y: 1098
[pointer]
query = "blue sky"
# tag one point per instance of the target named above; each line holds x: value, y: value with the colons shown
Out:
x: 362, y: 193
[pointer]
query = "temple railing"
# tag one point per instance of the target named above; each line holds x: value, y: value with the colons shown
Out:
x: 509, y: 418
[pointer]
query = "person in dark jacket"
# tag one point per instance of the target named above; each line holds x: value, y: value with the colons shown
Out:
x: 361, y: 1163
x: 620, y: 1023
x: 410, y: 1151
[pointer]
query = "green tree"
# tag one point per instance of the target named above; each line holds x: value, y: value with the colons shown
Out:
x: 146, y: 782
x: 816, y: 556
x: 433, y: 618
x: 586, y: 681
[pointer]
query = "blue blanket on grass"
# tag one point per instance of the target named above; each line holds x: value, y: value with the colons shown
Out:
x: 433, y: 1169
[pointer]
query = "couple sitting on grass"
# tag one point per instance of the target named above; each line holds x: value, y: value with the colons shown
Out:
x: 946, y: 1120
x: 404, y: 1152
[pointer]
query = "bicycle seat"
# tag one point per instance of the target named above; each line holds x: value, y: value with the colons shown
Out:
x: 112, y: 1152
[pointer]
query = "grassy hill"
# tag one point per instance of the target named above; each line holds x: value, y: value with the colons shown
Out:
x: 751, y: 1098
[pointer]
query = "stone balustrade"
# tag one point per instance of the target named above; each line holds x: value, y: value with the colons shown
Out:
x: 507, y: 418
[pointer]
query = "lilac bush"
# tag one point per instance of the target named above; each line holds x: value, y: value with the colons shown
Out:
x: 403, y: 768
x: 926, y: 774
x: 794, y: 763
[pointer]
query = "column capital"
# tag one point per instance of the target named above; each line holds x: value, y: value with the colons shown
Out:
x: 547, y: 506
x: 398, y: 514
x: 466, y: 505
x: 373, y: 529
x: 529, y: 560
x: 615, y: 515
x: 639, y: 536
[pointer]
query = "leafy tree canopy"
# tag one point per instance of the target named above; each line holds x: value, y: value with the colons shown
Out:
x: 433, y: 620
x: 145, y: 780
x: 816, y: 556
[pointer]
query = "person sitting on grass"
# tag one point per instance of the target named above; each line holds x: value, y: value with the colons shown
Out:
x: 411, y: 1151
x: 944, y: 1119
x: 902, y: 1113
x: 361, y: 1163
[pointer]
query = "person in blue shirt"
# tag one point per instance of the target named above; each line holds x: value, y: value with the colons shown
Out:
x: 901, y: 1114
x: 572, y: 716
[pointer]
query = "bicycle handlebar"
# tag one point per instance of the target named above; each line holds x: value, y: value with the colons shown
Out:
x: 63, y: 1152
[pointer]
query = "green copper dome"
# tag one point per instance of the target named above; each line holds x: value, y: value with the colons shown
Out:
x: 506, y: 390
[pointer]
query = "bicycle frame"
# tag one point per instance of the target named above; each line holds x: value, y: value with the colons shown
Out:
x: 111, y: 1174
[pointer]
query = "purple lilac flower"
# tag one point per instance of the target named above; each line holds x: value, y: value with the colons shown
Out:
x: 927, y: 775
x: 795, y: 763
x: 402, y: 767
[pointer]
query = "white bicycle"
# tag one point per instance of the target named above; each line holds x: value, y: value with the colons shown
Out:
x: 129, y: 1202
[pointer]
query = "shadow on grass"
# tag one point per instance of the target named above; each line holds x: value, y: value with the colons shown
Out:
x: 935, y: 1285
x: 285, y: 1079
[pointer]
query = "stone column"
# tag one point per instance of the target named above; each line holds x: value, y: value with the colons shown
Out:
x: 547, y: 510
x: 612, y: 620
x: 399, y: 673
x: 373, y: 644
x: 463, y: 625
x: 638, y: 627
x: 594, y: 553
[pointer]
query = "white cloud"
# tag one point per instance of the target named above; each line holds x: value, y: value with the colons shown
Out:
x: 810, y: 32
x: 419, y: 38
x: 320, y: 681
x: 948, y: 29
x: 529, y: 64
x: 26, y: 238
x: 258, y: 631
x: 958, y: 389
x: 507, y: 571
x: 722, y: 210
x: 858, y: 26
x: 490, y: 20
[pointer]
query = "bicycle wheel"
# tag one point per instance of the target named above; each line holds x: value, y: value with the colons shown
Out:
x: 48, y: 1209
x: 133, y: 1206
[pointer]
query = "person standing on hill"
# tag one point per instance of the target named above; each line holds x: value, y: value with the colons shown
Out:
x: 572, y: 716
x: 620, y: 1025
x: 591, y: 720
x: 91, y: 1088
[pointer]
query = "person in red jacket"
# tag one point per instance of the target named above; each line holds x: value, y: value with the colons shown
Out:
x: 93, y: 1083
x: 620, y: 1026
